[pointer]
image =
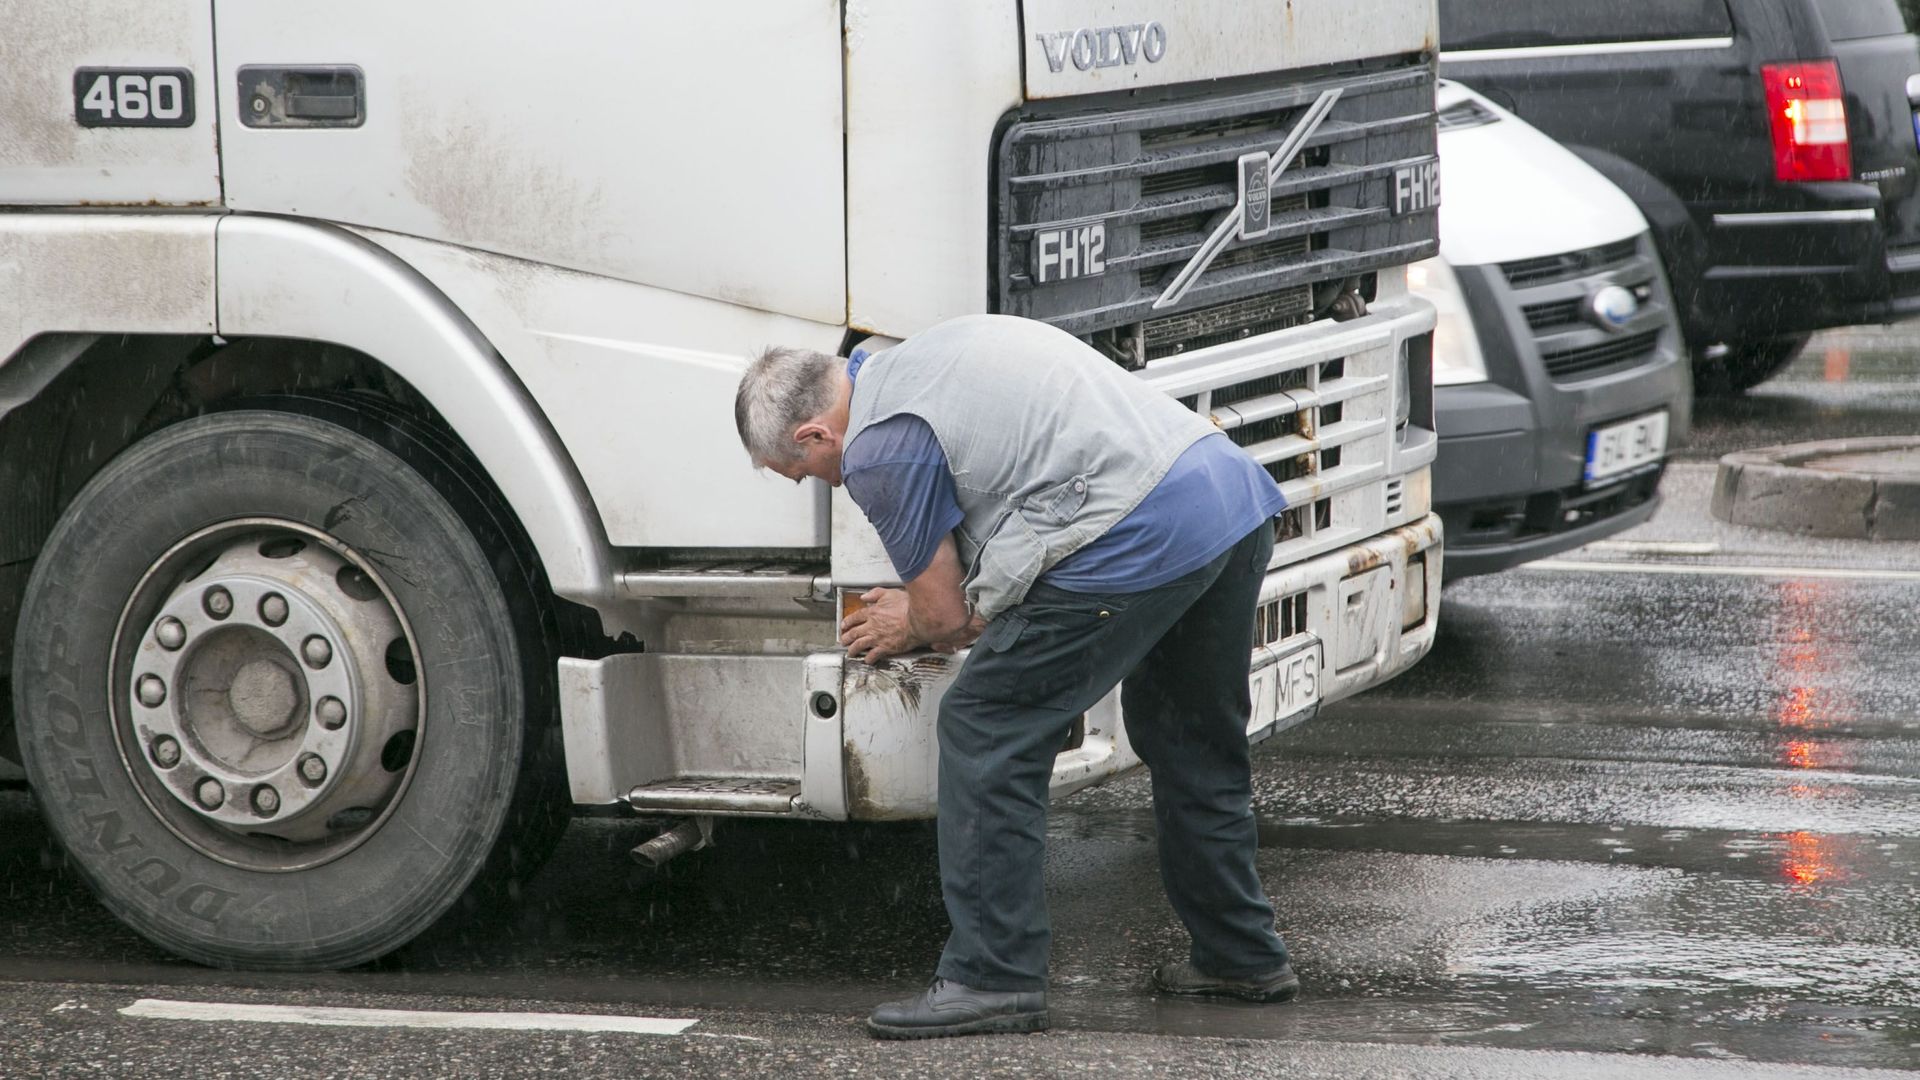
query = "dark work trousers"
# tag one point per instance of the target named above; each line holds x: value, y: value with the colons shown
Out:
x: 1184, y: 649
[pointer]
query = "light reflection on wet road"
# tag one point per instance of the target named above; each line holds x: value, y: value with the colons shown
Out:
x: 1631, y: 812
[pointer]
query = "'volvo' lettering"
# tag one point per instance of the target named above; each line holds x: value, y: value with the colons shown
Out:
x: 1092, y: 47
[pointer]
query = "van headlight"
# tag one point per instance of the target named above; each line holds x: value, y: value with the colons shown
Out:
x: 1456, y: 347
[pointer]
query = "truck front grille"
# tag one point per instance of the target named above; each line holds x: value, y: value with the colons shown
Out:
x: 1156, y: 179
x: 1321, y: 428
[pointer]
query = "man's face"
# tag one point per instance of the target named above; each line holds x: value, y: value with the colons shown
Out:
x: 819, y: 455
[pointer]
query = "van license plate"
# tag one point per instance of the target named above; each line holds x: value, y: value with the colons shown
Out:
x: 1625, y: 447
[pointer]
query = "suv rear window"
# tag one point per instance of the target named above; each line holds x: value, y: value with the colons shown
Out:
x: 1849, y: 19
x: 1500, y: 24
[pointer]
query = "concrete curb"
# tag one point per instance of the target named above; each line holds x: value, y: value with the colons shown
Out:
x: 1858, y: 489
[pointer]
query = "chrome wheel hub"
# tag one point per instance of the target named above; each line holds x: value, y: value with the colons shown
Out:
x: 270, y: 693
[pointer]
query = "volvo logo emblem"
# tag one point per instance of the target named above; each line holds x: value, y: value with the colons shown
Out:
x: 1613, y: 307
x: 1249, y: 220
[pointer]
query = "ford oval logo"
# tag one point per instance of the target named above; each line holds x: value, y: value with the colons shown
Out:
x: 1614, y: 307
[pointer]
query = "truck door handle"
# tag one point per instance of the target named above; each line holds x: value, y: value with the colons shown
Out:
x: 309, y: 96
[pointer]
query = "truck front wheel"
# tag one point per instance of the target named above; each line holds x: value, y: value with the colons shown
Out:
x: 272, y: 692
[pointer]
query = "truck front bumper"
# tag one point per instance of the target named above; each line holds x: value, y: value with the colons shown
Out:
x: 1370, y: 608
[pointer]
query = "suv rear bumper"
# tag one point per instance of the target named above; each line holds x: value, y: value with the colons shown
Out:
x: 1792, y: 271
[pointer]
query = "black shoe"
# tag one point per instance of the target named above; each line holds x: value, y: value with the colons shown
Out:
x: 948, y: 1008
x: 1181, y: 977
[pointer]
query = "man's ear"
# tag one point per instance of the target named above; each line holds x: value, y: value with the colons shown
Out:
x: 810, y: 432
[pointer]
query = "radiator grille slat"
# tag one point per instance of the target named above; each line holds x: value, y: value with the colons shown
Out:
x: 1614, y: 354
x: 1549, y: 268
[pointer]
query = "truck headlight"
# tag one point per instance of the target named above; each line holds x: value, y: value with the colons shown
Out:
x: 1456, y: 347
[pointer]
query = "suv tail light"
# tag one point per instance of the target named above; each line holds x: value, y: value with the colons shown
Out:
x: 1807, y: 110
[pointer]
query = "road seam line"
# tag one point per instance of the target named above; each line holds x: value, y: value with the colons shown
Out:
x: 331, y: 1016
x: 1840, y: 573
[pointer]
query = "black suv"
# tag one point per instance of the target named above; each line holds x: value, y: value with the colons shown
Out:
x: 1770, y: 143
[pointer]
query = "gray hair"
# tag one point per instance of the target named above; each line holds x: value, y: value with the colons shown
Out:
x: 783, y: 388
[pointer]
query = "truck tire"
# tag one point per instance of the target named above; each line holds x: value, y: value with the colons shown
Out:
x: 1746, y: 365
x: 277, y: 697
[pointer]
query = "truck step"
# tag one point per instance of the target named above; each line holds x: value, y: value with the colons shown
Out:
x: 751, y: 580
x: 717, y: 795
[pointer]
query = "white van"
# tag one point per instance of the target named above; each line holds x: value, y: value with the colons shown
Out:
x: 1561, y: 379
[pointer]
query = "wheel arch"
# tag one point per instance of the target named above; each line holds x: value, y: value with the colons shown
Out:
x: 280, y: 278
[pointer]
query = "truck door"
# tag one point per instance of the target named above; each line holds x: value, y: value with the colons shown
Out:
x: 111, y: 102
x: 696, y: 147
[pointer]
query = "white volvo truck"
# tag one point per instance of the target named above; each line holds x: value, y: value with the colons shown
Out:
x: 369, y: 492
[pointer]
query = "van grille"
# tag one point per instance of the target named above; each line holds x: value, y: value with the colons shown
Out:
x: 1587, y: 360
x: 1571, y: 346
x: 1572, y: 264
x: 1558, y: 313
x: 1159, y: 177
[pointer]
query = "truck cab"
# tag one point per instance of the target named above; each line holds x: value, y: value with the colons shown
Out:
x: 373, y: 499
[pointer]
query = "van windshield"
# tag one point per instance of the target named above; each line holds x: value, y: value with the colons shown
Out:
x: 1503, y: 24
x: 1847, y: 20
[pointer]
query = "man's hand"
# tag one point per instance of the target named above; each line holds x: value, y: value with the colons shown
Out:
x: 930, y: 611
x: 882, y: 629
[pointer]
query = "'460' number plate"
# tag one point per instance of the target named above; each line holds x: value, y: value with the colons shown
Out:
x: 133, y: 97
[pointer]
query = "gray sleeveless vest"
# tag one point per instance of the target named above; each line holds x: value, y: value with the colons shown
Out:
x: 1050, y: 443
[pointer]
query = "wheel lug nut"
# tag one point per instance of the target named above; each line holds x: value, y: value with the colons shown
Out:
x: 266, y: 801
x: 166, y: 752
x: 218, y: 602
x: 210, y: 793
x: 318, y: 653
x: 152, y: 691
x: 332, y: 713
x: 312, y: 769
x: 170, y: 633
x: 273, y: 609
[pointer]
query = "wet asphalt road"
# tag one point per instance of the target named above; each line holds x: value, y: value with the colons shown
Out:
x: 1650, y: 809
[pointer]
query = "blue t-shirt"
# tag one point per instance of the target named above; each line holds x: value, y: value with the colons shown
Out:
x: 1212, y: 496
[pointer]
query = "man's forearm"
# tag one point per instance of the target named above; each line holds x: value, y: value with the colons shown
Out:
x: 936, y: 606
x: 933, y: 629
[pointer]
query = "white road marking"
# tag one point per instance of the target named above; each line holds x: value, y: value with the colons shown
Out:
x: 1655, y: 547
x: 1699, y: 570
x: 212, y: 1011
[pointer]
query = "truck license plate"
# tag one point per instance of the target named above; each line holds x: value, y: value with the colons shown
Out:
x: 1624, y: 447
x: 1284, y: 688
